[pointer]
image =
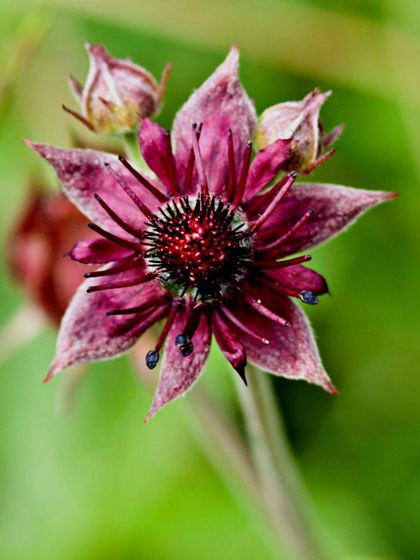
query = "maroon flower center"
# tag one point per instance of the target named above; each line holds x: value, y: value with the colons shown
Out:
x: 198, y: 247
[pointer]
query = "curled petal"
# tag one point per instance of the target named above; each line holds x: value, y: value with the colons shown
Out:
x: 334, y: 209
x: 179, y: 373
x: 83, y: 174
x: 220, y: 104
x: 88, y: 334
x: 292, y: 351
x: 299, y: 278
x: 98, y: 251
x: 229, y: 344
x: 267, y: 163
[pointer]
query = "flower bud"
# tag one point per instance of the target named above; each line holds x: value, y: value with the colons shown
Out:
x: 47, y: 228
x: 298, y: 120
x: 117, y: 93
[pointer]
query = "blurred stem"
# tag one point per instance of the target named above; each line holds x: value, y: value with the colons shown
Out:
x: 227, y: 452
x: 19, y: 54
x: 279, y: 479
x: 132, y: 147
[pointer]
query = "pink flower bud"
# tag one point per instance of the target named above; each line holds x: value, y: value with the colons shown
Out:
x: 117, y: 93
x: 298, y: 121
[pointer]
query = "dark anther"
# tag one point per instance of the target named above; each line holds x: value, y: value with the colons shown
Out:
x: 182, y: 339
x: 186, y: 349
x: 308, y: 297
x: 152, y: 359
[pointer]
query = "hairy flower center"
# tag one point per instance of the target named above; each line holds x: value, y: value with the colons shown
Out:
x: 198, y: 246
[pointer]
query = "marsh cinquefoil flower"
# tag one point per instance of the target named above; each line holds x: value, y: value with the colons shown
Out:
x: 117, y: 93
x: 207, y: 246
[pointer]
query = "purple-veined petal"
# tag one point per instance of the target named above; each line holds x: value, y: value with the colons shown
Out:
x: 292, y: 351
x: 299, y: 278
x: 179, y: 373
x: 220, y: 104
x: 88, y: 334
x: 153, y: 149
x: 334, y: 209
x: 98, y: 251
x: 83, y: 173
x: 265, y: 166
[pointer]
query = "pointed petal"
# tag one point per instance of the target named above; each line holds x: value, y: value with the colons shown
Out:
x: 299, y: 278
x: 98, y: 251
x: 220, y: 103
x: 335, y: 208
x: 229, y: 344
x: 153, y: 149
x: 82, y: 174
x: 179, y: 373
x: 87, y: 334
x: 292, y: 351
x: 265, y: 166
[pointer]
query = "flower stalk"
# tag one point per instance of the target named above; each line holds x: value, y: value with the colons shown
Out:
x: 278, y: 476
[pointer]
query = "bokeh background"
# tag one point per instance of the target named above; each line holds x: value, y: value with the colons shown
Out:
x: 90, y: 481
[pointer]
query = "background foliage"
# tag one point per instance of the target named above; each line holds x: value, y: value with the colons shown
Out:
x: 98, y: 483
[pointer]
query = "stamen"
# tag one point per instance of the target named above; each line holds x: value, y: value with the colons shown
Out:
x: 277, y: 287
x: 244, y: 174
x: 171, y: 169
x: 190, y: 165
x: 282, y: 264
x: 152, y: 356
x: 261, y: 199
x: 287, y: 235
x: 202, y: 179
x: 114, y: 269
x: 273, y: 205
x: 115, y: 239
x: 139, y: 309
x: 226, y: 311
x: 124, y: 185
x: 258, y: 306
x: 122, y: 284
x: 135, y: 232
x: 232, y: 174
x: 152, y: 189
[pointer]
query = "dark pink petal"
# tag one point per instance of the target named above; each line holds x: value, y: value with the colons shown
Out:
x: 178, y: 373
x: 83, y: 173
x: 292, y: 351
x: 88, y: 334
x: 220, y: 104
x: 153, y: 149
x: 299, y: 278
x: 98, y: 251
x: 265, y: 166
x: 335, y: 208
x: 229, y: 344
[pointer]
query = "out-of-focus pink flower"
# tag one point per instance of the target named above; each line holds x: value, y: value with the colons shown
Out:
x: 48, y: 227
x: 298, y: 121
x: 207, y: 245
x: 117, y: 93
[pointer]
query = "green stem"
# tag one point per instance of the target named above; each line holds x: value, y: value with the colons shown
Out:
x: 278, y: 475
x: 132, y: 147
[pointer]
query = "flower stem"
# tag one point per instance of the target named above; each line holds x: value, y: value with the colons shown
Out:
x: 279, y: 480
x: 132, y: 147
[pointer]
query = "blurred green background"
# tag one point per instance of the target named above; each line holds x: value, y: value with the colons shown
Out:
x: 98, y: 484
